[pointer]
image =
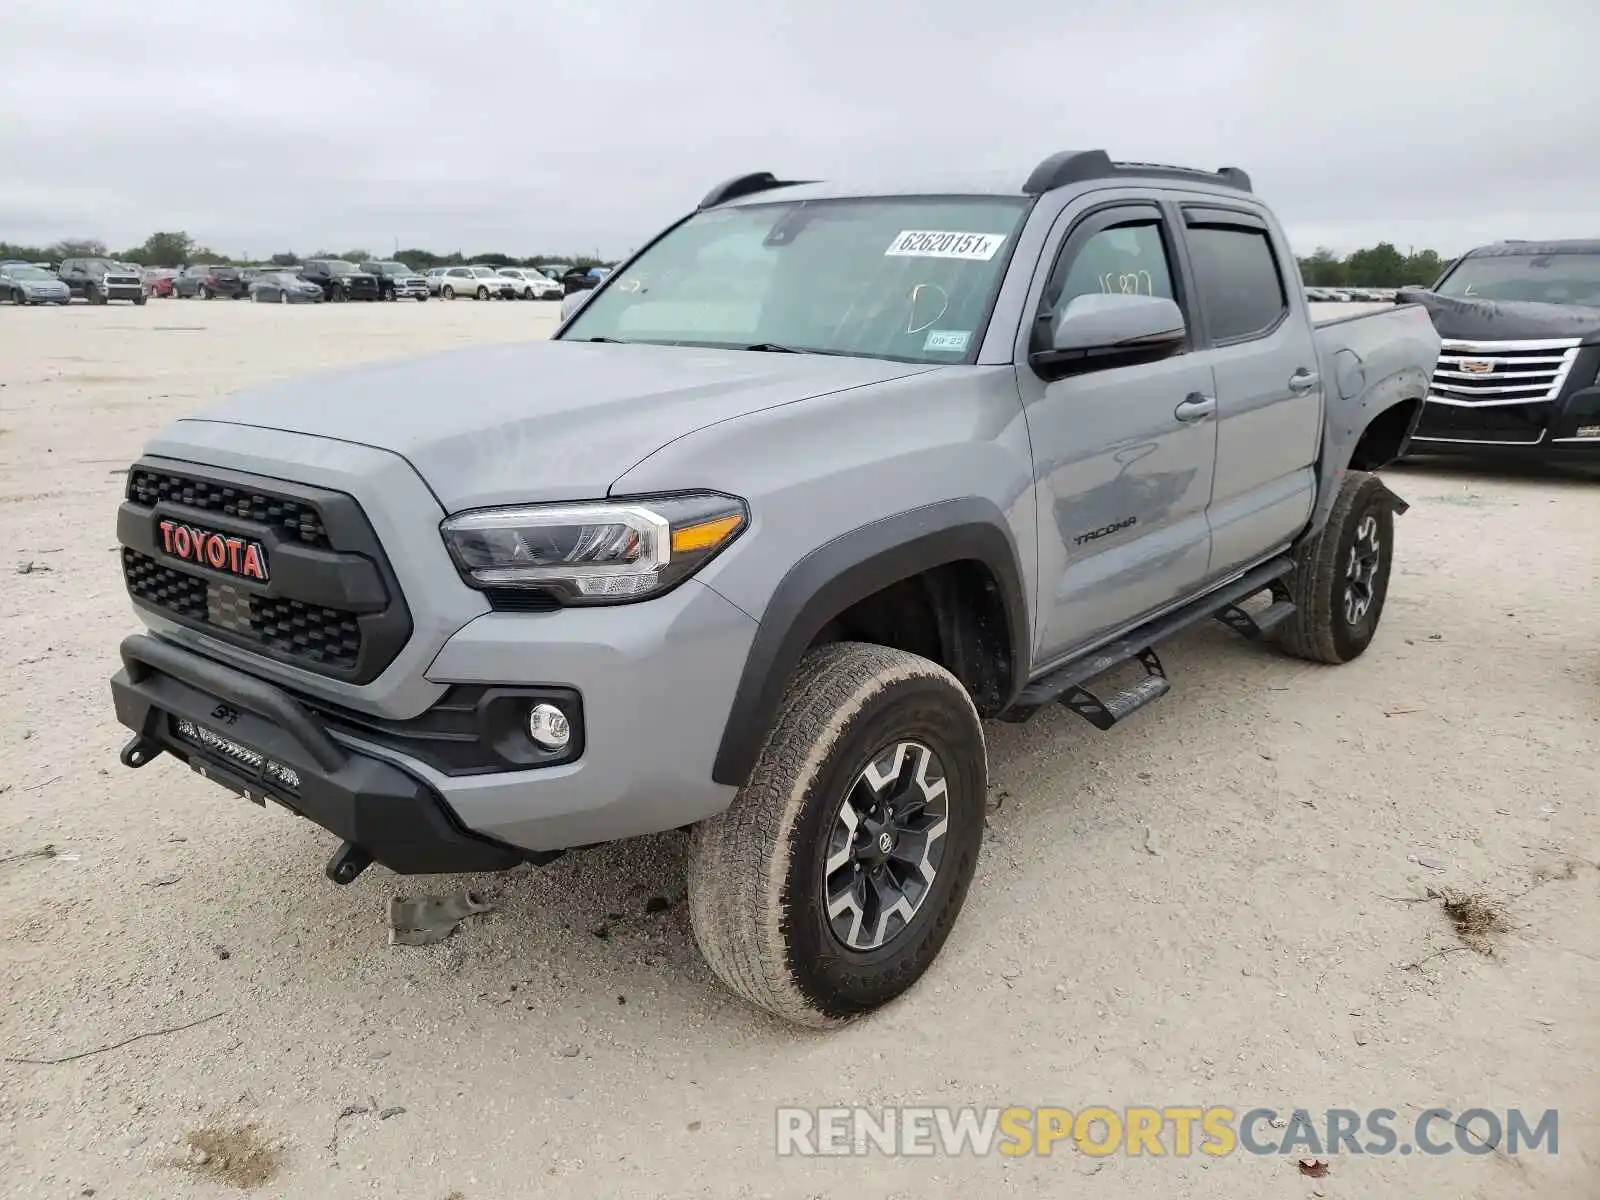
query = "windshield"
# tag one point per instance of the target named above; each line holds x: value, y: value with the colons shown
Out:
x: 338, y: 266
x: 1546, y: 278
x: 908, y: 279
x: 392, y: 268
x: 27, y: 273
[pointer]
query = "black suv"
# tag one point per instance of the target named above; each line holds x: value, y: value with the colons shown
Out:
x: 340, y: 279
x: 203, y: 282
x: 101, y: 280
x: 1519, y: 368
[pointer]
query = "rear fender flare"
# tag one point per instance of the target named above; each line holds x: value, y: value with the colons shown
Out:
x: 848, y: 569
x: 1349, y: 417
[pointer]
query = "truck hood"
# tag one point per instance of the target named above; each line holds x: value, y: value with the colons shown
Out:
x: 543, y: 420
x: 1464, y: 318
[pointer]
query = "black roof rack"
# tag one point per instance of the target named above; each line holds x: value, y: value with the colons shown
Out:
x: 746, y: 185
x: 1080, y: 166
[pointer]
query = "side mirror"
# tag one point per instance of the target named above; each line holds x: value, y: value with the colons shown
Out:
x: 1113, y: 330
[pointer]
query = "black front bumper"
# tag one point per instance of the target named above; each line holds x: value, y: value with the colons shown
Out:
x: 1565, y: 429
x: 380, y: 811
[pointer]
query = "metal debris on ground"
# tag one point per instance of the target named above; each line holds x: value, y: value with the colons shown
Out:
x: 430, y: 919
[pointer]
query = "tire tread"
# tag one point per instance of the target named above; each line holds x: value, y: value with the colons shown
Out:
x: 739, y: 859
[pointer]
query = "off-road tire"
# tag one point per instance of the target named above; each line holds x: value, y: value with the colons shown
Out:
x: 1319, y: 631
x: 756, y: 878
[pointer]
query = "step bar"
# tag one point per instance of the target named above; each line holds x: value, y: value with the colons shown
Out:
x: 1068, y: 684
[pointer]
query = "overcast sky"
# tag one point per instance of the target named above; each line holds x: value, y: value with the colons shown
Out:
x: 568, y: 126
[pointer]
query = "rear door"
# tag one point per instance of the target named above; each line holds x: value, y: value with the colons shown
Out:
x: 1123, y: 456
x: 1253, y: 317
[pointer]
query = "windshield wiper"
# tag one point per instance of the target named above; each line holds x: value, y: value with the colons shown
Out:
x: 775, y: 348
x: 613, y: 341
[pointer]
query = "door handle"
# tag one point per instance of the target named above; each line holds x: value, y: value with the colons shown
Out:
x: 1195, y: 407
x: 1302, y: 381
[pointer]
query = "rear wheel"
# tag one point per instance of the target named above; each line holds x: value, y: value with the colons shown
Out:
x: 830, y: 884
x: 1341, y: 576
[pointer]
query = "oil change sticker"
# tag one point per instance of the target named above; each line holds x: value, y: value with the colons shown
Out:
x: 952, y: 341
x: 935, y: 243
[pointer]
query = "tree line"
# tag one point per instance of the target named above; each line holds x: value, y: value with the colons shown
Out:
x: 179, y: 249
x: 1382, y: 265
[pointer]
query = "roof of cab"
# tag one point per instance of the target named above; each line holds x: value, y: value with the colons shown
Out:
x: 1063, y: 169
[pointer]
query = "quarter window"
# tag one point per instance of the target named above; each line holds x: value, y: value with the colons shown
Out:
x: 1237, y: 280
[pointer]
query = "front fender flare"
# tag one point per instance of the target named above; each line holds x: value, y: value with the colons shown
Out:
x: 848, y: 569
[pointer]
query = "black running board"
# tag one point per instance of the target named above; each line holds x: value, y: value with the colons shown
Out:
x: 1068, y: 684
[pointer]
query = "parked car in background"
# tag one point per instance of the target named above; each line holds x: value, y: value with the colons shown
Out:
x: 204, y: 281
x: 397, y: 281
x: 158, y: 281
x: 101, y: 280
x: 284, y: 287
x: 1519, y: 374
x: 577, y: 279
x: 340, y: 279
x: 24, y: 283
x: 478, y: 282
x: 530, y: 284
x: 434, y: 276
x: 187, y: 282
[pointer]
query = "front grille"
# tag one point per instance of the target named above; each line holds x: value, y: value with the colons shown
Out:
x: 1488, y: 374
x: 297, y: 520
x: 1498, y: 424
x: 309, y: 634
x: 331, y: 602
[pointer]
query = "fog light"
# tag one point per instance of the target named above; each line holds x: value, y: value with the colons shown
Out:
x: 548, y: 727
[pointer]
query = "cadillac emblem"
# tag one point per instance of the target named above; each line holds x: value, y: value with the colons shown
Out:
x: 1476, y: 366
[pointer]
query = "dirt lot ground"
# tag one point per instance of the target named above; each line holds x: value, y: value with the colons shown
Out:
x: 1254, y: 947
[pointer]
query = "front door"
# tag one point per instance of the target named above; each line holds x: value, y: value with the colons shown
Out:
x: 1123, y: 456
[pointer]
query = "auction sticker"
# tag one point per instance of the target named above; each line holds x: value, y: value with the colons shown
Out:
x: 936, y: 243
x: 947, y: 339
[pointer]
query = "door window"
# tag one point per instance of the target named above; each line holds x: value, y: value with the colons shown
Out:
x: 1128, y: 259
x: 1237, y: 279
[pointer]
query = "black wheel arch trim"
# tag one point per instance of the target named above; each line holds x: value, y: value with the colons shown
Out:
x: 848, y: 569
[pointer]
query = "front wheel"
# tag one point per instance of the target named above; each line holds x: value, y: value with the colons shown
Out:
x: 448, y: 292
x: 140, y: 299
x: 830, y: 884
x: 1341, y: 576
x: 483, y: 293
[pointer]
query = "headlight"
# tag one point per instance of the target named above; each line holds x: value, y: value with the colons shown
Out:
x: 606, y: 552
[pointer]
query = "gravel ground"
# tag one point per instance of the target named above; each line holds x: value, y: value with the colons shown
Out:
x: 1206, y: 907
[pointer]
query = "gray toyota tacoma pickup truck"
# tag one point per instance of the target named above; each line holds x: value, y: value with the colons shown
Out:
x: 816, y: 482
